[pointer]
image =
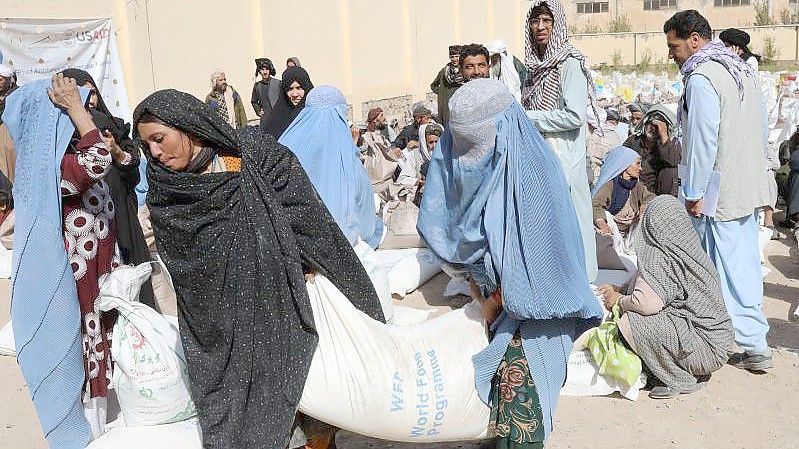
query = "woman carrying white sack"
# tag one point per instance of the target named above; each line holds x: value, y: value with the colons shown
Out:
x: 498, y: 205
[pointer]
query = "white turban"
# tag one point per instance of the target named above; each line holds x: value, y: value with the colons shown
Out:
x: 507, y: 70
x: 6, y: 71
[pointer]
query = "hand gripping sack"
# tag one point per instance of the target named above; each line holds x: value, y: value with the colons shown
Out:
x: 150, y: 374
x: 400, y: 383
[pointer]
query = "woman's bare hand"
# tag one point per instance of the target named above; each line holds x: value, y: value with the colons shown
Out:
x: 609, y: 296
x: 64, y: 93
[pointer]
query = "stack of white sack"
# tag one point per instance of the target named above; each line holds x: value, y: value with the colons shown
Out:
x: 409, y: 268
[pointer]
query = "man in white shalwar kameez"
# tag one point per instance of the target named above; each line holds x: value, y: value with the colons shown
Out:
x: 556, y: 95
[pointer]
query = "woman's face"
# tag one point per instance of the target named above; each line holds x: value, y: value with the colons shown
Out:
x: 93, y: 98
x: 431, y: 140
x: 295, y: 93
x: 634, y: 170
x: 290, y: 63
x: 171, y: 147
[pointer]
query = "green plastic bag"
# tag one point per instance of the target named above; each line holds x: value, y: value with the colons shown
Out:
x: 611, y: 356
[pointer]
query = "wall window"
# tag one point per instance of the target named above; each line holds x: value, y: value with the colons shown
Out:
x: 731, y: 2
x: 654, y: 5
x: 593, y: 7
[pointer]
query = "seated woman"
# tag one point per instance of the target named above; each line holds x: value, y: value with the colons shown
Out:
x: 238, y: 223
x: 674, y: 318
x: 653, y: 139
x: 618, y: 196
x: 65, y: 243
x: 491, y: 180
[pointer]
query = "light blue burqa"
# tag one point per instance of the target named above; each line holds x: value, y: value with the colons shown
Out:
x: 322, y: 141
x: 616, y: 162
x: 44, y: 299
x: 496, y: 202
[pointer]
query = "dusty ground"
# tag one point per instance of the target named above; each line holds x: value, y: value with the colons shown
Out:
x: 737, y: 409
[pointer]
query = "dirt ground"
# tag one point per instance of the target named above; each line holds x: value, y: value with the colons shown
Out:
x: 736, y: 410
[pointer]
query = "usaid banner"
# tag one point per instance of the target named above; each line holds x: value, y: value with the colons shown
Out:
x: 38, y: 48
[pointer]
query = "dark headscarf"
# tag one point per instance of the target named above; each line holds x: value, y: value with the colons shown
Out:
x: 739, y: 38
x: 284, y: 112
x: 454, y: 50
x: 237, y: 246
x: 264, y: 62
x: 295, y: 60
x: 122, y: 180
x: 371, y: 117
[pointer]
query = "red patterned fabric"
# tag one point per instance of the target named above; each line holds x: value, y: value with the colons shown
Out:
x: 88, y: 214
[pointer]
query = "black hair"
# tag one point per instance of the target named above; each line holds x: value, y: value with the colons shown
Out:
x: 748, y: 54
x: 6, y: 200
x: 543, y: 8
x: 684, y: 23
x: 473, y: 50
x: 149, y: 117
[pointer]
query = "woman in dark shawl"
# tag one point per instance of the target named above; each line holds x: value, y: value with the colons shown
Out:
x: 237, y: 244
x: 294, y: 88
x: 121, y: 178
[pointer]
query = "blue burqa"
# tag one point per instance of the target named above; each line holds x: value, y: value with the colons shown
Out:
x: 496, y: 202
x: 322, y: 141
x: 616, y: 162
x: 44, y: 299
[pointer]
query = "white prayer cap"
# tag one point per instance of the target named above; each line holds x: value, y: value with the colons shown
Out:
x: 496, y: 47
x: 6, y: 71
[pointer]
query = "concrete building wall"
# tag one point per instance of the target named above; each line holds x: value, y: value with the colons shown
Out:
x: 652, y: 20
x: 633, y: 48
x: 370, y: 49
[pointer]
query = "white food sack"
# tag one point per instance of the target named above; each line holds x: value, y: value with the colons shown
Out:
x: 150, y: 374
x: 5, y: 262
x: 409, y: 268
x: 583, y: 378
x: 378, y: 274
x: 400, y: 383
x: 7, y: 346
x: 180, y: 435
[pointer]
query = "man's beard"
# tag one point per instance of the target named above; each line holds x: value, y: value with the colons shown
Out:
x: 381, y: 126
x: 495, y: 71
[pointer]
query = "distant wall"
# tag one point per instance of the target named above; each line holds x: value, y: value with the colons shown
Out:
x: 632, y: 48
x: 370, y: 49
x: 643, y: 20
